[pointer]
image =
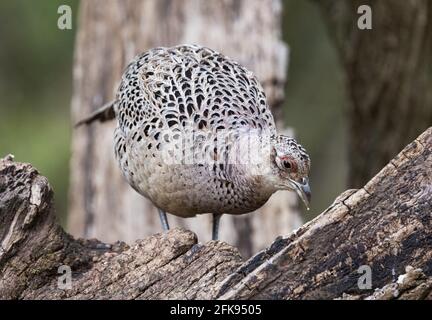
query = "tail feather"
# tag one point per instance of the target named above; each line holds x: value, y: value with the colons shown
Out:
x: 104, y: 113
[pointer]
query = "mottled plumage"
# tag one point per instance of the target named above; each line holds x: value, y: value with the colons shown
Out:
x: 195, y: 134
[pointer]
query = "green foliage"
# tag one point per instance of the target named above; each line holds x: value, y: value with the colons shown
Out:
x: 35, y: 88
x: 315, y: 99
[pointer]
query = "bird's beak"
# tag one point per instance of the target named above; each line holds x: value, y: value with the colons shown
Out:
x: 303, y: 190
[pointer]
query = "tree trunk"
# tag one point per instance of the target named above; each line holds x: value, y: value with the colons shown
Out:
x: 384, y: 226
x: 389, y: 77
x: 110, y: 34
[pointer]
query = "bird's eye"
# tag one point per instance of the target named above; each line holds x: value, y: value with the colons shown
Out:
x: 287, y: 164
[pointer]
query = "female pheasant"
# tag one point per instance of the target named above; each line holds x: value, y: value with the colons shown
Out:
x: 195, y: 135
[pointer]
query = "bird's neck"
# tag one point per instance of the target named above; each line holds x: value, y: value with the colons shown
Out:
x: 251, y: 179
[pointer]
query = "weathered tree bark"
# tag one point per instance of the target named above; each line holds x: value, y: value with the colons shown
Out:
x: 413, y: 285
x: 389, y: 77
x: 385, y: 225
x: 110, y: 34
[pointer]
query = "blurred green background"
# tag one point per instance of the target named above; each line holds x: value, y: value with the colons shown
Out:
x: 35, y: 89
x: 36, y: 86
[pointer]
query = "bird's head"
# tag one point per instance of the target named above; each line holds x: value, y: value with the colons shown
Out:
x: 290, y: 167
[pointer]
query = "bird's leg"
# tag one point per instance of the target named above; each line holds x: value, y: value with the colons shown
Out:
x: 164, y: 220
x: 216, y: 219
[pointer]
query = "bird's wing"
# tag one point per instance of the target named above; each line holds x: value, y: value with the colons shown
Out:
x: 174, y: 88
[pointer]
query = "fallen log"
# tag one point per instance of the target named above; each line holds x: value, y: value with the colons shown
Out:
x: 383, y: 228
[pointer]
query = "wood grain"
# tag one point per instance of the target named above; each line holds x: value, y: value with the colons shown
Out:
x: 385, y: 225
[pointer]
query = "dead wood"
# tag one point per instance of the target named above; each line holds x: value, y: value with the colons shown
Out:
x: 386, y: 225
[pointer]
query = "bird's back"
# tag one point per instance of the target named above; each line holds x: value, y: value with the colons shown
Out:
x: 167, y: 94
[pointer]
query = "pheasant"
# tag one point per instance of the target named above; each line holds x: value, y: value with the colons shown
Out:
x: 195, y: 135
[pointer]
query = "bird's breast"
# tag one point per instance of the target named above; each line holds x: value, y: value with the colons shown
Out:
x: 188, y: 190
